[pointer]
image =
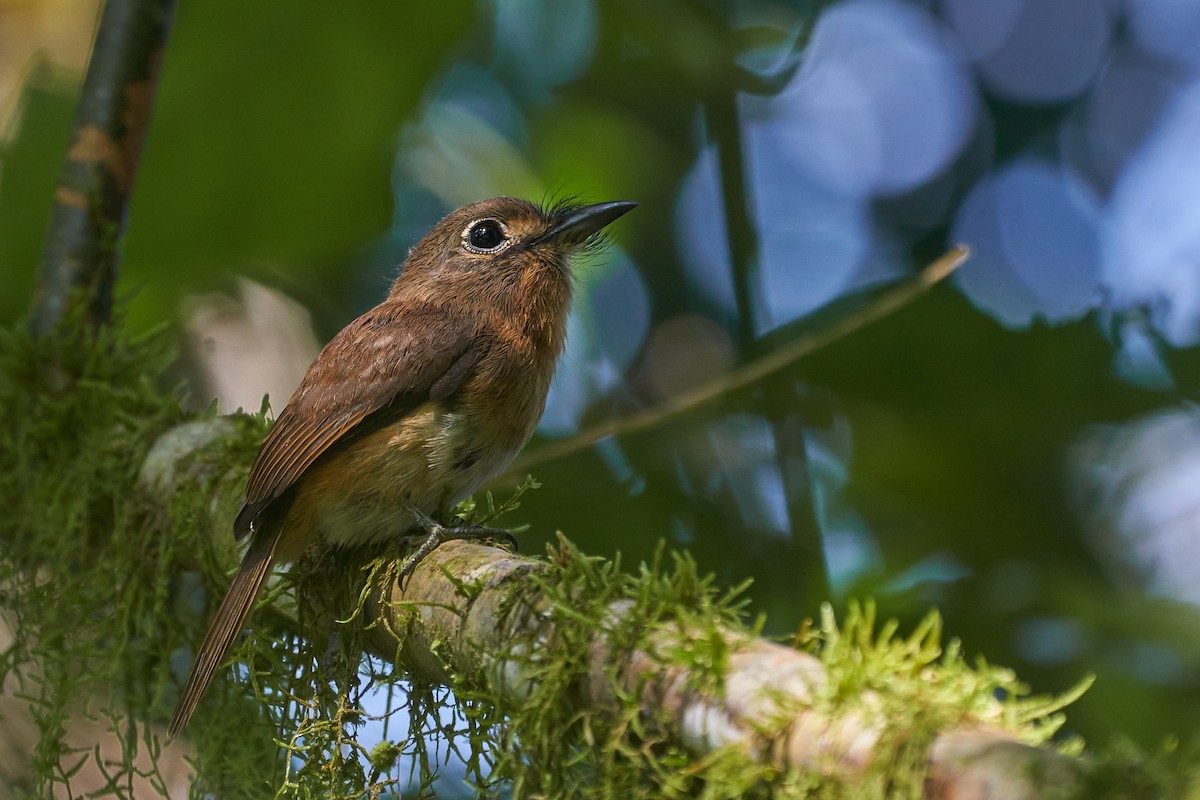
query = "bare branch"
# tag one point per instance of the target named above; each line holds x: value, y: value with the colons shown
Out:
x: 92, y: 195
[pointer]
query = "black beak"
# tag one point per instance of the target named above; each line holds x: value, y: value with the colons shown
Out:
x: 575, y: 227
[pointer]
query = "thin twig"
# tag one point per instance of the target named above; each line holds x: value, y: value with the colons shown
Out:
x: 895, y: 298
x: 93, y: 190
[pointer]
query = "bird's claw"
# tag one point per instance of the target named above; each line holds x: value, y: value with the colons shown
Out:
x: 437, y: 533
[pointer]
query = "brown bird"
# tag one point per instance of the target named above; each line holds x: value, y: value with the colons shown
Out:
x: 414, y: 404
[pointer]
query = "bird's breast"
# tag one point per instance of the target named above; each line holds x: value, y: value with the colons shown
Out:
x: 431, y: 458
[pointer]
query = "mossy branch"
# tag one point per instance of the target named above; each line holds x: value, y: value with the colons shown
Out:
x: 473, y: 610
x: 576, y: 639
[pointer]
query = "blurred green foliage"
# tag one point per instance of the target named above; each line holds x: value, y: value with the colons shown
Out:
x: 269, y: 152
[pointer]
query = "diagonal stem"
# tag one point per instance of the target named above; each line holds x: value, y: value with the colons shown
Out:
x: 894, y: 299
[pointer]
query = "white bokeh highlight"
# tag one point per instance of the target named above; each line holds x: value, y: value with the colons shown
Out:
x: 1151, y: 255
x: 1034, y: 51
x: 1032, y: 229
x: 882, y: 103
x: 1137, y: 490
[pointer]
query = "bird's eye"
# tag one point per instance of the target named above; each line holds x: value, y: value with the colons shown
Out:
x: 485, y: 236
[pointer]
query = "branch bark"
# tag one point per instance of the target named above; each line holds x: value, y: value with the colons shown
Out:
x: 762, y: 681
x: 92, y: 195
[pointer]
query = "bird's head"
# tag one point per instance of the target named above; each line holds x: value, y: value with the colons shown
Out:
x: 504, y: 248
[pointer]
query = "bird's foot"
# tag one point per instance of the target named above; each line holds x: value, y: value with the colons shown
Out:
x: 437, y: 533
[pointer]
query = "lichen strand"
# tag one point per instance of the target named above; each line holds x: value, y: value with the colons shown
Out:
x: 86, y: 568
x: 102, y: 568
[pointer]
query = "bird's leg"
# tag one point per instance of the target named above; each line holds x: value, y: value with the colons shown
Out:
x: 437, y: 533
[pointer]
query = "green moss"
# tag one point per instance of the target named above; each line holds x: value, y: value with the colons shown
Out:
x: 84, y: 564
x: 113, y: 570
x: 1124, y: 770
x: 542, y: 747
x: 99, y: 558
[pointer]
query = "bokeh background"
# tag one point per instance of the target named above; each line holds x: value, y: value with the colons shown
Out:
x: 1018, y: 449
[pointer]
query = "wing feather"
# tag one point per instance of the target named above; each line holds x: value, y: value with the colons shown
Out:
x: 391, y: 360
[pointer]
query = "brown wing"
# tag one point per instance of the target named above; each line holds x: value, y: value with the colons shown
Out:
x: 383, y: 364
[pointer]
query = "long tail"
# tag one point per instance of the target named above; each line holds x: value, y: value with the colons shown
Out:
x: 227, y: 624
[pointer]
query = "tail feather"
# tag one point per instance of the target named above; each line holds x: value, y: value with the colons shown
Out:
x: 226, y: 625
